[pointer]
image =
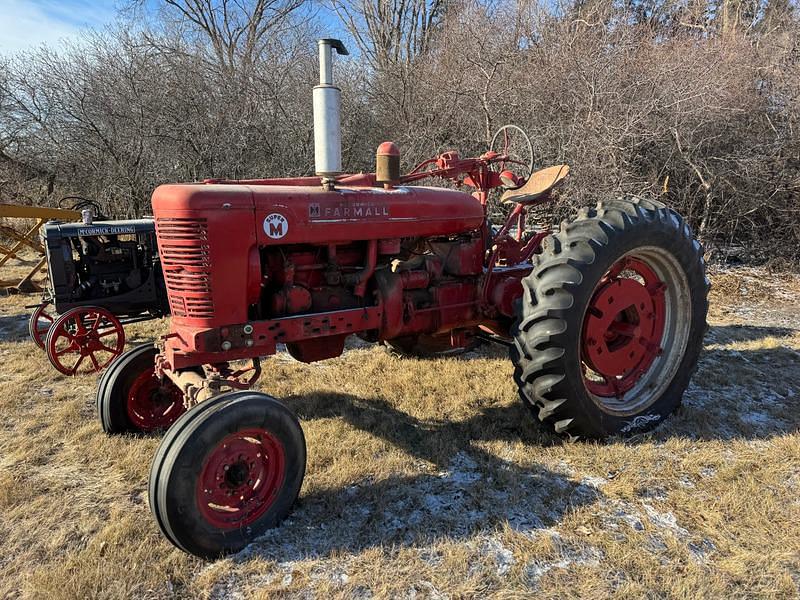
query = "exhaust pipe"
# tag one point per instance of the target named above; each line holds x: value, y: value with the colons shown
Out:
x: 327, y: 120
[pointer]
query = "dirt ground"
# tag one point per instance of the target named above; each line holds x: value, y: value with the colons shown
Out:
x: 429, y: 479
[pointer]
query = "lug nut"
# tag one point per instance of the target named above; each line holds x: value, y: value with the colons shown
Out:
x: 226, y: 345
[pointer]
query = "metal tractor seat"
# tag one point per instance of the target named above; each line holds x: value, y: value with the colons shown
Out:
x: 539, y: 184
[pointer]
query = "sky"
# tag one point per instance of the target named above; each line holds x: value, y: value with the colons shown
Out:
x: 29, y: 23
x: 26, y: 24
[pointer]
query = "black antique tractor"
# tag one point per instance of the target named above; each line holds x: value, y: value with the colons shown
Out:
x: 101, y: 276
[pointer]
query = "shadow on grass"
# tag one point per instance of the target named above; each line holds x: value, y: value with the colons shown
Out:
x: 729, y: 334
x: 751, y: 394
x: 469, y: 491
x: 748, y: 395
x: 14, y: 328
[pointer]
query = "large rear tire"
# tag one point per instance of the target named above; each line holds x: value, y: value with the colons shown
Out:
x: 131, y: 399
x: 227, y: 471
x: 611, y: 321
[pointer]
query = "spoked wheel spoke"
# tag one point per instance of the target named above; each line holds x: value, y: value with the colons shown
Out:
x: 77, y: 364
x: 106, y: 348
x: 69, y: 349
x: 78, y: 332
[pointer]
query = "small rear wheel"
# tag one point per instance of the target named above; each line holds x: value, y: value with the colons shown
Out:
x: 84, y: 340
x: 227, y: 471
x: 612, y: 320
x: 39, y: 323
x: 131, y: 399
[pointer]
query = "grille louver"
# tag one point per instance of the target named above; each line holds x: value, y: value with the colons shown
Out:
x: 185, y: 258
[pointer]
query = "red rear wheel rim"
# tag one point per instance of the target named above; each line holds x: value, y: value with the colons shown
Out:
x: 85, y: 340
x: 153, y: 404
x: 240, y: 478
x: 623, y: 328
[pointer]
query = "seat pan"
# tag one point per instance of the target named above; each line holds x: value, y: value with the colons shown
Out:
x: 539, y: 184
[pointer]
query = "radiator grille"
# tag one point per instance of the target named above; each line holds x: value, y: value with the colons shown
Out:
x: 186, y: 261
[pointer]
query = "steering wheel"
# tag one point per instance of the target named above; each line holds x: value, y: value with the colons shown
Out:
x: 80, y: 203
x: 513, y: 142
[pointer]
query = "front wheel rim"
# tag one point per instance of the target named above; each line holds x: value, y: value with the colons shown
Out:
x: 635, y: 331
x: 153, y: 404
x: 85, y: 341
x: 240, y: 478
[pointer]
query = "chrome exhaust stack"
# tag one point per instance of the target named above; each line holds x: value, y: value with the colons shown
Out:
x: 327, y: 117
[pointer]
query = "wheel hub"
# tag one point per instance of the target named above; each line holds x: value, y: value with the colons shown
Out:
x: 153, y: 404
x: 241, y: 478
x: 623, y: 327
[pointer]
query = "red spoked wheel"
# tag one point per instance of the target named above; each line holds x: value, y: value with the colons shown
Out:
x: 623, y: 328
x: 153, y: 404
x: 39, y: 324
x: 241, y: 478
x: 84, y: 340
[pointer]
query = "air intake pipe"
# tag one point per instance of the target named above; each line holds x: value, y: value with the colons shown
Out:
x: 327, y: 120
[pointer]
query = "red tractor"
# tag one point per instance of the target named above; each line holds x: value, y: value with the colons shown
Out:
x: 604, y: 317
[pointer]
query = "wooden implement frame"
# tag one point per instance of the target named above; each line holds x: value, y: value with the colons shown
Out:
x: 26, y: 240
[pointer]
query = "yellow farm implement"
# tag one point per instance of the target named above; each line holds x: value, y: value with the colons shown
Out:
x: 21, y: 243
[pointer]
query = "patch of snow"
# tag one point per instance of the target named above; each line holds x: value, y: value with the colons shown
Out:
x: 462, y: 470
x: 426, y: 590
x: 227, y: 590
x: 502, y: 557
x: 571, y: 556
x: 707, y: 472
x: 621, y: 512
x: 595, y: 482
x: 700, y: 551
x: 758, y: 419
x: 665, y: 520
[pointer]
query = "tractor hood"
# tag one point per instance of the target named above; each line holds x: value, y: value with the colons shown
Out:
x: 301, y: 214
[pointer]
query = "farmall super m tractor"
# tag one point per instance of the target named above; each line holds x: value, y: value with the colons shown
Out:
x: 604, y: 316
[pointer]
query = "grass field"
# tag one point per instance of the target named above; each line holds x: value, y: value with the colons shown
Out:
x: 429, y: 479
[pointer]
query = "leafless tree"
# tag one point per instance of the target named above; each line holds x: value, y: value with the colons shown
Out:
x: 391, y: 32
x: 664, y: 97
x: 238, y: 32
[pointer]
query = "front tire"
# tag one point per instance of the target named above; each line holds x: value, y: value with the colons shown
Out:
x: 611, y: 321
x: 227, y: 471
x: 131, y: 399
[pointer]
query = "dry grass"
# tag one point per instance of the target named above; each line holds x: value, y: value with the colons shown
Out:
x: 429, y: 479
